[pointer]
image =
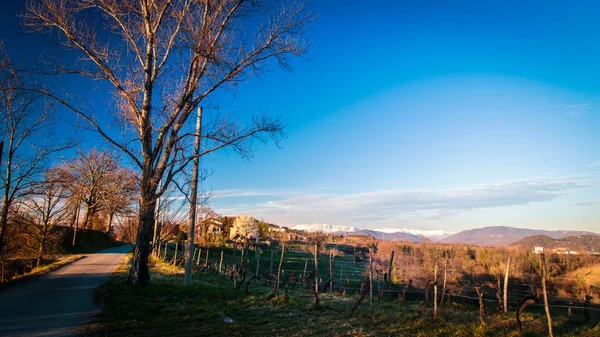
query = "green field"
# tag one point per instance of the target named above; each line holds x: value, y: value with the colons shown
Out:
x: 167, y: 307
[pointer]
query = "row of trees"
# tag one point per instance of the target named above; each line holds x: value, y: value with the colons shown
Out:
x: 155, y: 62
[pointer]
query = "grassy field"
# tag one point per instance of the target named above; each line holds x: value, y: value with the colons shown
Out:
x: 212, y: 307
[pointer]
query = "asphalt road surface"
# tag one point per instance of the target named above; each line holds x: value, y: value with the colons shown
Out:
x: 55, y: 303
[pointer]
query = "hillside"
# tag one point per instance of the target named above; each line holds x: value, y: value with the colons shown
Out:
x: 581, y: 243
x: 398, y: 236
x: 504, y: 235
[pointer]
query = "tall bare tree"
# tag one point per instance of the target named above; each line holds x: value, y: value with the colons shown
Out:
x: 100, y: 182
x: 25, y: 118
x: 163, y: 58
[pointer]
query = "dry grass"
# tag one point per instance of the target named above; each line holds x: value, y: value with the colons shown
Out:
x: 168, y: 307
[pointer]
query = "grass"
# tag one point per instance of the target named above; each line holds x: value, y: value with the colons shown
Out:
x: 41, y: 270
x: 591, y: 275
x: 167, y: 307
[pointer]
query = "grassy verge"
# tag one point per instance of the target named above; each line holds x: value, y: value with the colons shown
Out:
x: 168, y: 307
x: 41, y: 271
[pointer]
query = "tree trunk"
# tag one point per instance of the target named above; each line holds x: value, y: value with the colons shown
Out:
x: 524, y: 303
x: 481, y: 306
x: 139, y: 272
x: 390, y: 269
x: 363, y: 293
x: 5, y: 202
x: 505, y: 294
x: 546, y: 307
x: 76, y: 225
x: 88, y: 219
x: 109, y: 222
x: 40, y: 254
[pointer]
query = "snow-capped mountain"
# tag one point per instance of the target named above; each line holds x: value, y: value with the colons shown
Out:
x: 324, y: 228
x: 392, y: 233
x: 434, y: 235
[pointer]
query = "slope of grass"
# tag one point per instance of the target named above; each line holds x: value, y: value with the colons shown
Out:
x: 41, y: 270
x: 167, y: 307
x: 591, y: 275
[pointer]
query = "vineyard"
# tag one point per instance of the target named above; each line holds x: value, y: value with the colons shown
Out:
x: 354, y: 293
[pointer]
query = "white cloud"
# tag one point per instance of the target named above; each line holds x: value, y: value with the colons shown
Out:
x: 397, y: 206
x: 594, y: 164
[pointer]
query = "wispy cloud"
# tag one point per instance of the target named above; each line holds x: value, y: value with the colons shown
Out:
x: 594, y: 164
x: 578, y: 109
x: 587, y: 202
x: 395, y: 205
x: 253, y: 192
x: 576, y: 106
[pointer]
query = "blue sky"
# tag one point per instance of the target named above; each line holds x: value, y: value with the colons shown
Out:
x: 424, y: 114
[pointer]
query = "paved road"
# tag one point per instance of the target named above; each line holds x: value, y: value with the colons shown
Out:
x: 55, y: 303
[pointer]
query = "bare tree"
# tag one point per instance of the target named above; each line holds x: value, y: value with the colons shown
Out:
x: 163, y: 58
x: 100, y: 182
x: 120, y: 195
x: 44, y: 210
x: 25, y: 117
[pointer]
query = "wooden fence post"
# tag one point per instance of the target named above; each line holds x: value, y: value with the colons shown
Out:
x: 435, y: 288
x: 546, y: 307
x: 207, y: 251
x: 221, y: 262
x: 371, y: 277
x: 276, y: 291
x: 198, y: 257
x: 242, y: 257
x: 257, y: 265
x: 234, y: 267
x: 330, y: 271
x: 586, y: 305
x: 505, y: 294
x: 316, y: 274
x: 175, y: 257
x: 445, y: 273
x: 305, y: 265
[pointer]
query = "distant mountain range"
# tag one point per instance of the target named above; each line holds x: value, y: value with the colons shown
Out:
x: 391, y: 234
x: 580, y: 243
x: 486, y: 236
x: 503, y: 235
